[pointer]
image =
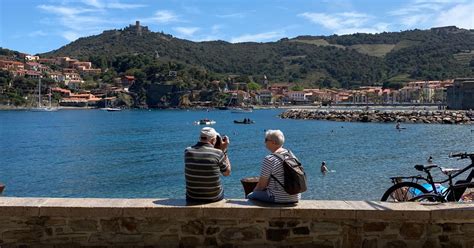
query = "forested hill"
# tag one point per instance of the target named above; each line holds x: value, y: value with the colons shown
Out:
x: 328, y: 61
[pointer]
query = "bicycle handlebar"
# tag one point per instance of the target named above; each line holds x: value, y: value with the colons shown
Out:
x: 462, y: 155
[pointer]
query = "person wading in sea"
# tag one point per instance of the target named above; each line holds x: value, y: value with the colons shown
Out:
x: 204, y: 162
x: 324, y: 168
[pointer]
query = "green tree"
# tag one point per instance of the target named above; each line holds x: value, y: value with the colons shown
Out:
x: 297, y: 88
x: 253, y: 86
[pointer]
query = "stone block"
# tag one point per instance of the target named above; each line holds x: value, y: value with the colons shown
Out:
x: 156, y: 212
x: 412, y: 230
x: 195, y: 227
x: 220, y: 222
x: 17, y: 236
x: 276, y: 223
x: 277, y: 234
x: 189, y: 242
x: 450, y: 228
x: 135, y: 239
x: 128, y: 225
x: 374, y: 226
x: 210, y: 242
x: 110, y: 225
x: 155, y: 225
x: 212, y: 230
x: 452, y: 212
x: 240, y: 234
x: 369, y: 243
x: 467, y: 228
x: 431, y: 243
x: 396, y: 244
x: 19, y: 211
x: 325, y: 227
x: 433, y: 229
x: 299, y: 240
x: 83, y: 225
x: 329, y: 237
x: 389, y: 236
x: 55, y: 221
x: 301, y: 230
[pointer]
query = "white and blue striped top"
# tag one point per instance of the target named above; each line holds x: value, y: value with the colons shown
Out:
x: 272, y: 165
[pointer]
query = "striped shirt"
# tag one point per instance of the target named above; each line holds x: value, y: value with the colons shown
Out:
x: 272, y: 165
x: 203, y: 166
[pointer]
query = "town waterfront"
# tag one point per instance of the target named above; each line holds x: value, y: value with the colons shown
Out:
x: 139, y: 153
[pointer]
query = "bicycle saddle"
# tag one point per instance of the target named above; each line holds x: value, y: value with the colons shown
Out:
x: 428, y: 167
x: 449, y: 171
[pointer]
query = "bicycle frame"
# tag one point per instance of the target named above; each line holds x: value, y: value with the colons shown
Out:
x: 449, y: 193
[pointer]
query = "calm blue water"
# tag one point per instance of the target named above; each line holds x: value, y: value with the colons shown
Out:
x: 133, y: 154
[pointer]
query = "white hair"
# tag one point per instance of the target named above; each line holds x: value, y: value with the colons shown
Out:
x: 275, y: 136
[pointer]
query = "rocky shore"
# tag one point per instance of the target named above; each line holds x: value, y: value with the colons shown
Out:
x: 415, y: 116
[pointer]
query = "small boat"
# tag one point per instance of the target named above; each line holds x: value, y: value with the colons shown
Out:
x: 205, y: 122
x: 245, y: 121
x: 241, y: 110
x: 2, y: 187
x: 113, y: 109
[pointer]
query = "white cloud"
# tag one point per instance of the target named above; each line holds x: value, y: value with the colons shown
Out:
x: 258, y: 37
x: 232, y: 15
x: 216, y: 28
x: 163, y: 16
x: 111, y: 5
x: 345, y: 22
x: 70, y: 36
x: 414, y: 20
x: 431, y: 13
x: 63, y: 10
x: 124, y: 6
x: 186, y: 31
x: 93, y: 3
x: 74, y: 22
x: 37, y: 33
x: 460, y: 15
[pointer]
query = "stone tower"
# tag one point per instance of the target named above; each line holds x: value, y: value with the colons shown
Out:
x: 138, y: 28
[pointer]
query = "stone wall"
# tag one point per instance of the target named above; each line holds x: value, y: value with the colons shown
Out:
x: 415, y: 116
x: 59, y: 222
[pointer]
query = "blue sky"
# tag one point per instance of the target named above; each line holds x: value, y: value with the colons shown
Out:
x: 40, y: 26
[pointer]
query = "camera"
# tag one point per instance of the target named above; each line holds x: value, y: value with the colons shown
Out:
x: 218, y: 144
x: 219, y: 140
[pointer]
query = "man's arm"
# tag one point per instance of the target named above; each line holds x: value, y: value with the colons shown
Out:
x: 229, y: 168
x: 262, y: 183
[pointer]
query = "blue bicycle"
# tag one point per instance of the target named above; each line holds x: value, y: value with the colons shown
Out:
x: 420, y: 188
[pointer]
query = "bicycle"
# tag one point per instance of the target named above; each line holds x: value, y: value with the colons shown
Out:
x: 432, y: 190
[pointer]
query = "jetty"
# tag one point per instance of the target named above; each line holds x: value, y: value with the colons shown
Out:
x: 403, y: 116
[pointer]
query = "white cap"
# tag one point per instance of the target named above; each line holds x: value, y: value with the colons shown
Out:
x: 208, y: 133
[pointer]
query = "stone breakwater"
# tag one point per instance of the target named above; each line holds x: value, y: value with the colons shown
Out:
x: 415, y: 116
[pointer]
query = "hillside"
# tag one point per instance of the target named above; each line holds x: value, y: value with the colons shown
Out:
x: 341, y: 61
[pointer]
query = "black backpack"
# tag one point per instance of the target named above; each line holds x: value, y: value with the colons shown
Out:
x: 293, y: 174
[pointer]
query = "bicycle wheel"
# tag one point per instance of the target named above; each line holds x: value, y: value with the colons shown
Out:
x: 428, y: 198
x: 403, y: 191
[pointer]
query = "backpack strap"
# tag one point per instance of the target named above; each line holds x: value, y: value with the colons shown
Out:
x: 282, y: 158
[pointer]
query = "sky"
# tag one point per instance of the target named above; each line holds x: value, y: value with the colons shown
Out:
x: 35, y: 26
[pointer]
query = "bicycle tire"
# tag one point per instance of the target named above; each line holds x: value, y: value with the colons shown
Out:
x: 427, y: 197
x: 401, y: 192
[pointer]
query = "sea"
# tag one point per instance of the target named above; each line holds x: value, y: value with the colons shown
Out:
x: 139, y: 153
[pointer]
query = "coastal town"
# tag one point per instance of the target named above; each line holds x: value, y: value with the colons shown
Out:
x: 69, y: 81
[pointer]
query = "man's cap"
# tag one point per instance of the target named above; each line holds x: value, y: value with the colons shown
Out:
x: 324, y: 162
x: 208, y: 133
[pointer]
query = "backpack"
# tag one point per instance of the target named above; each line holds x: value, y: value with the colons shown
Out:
x: 293, y: 174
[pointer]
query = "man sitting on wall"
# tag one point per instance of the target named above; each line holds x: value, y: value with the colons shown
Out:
x: 204, y: 162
